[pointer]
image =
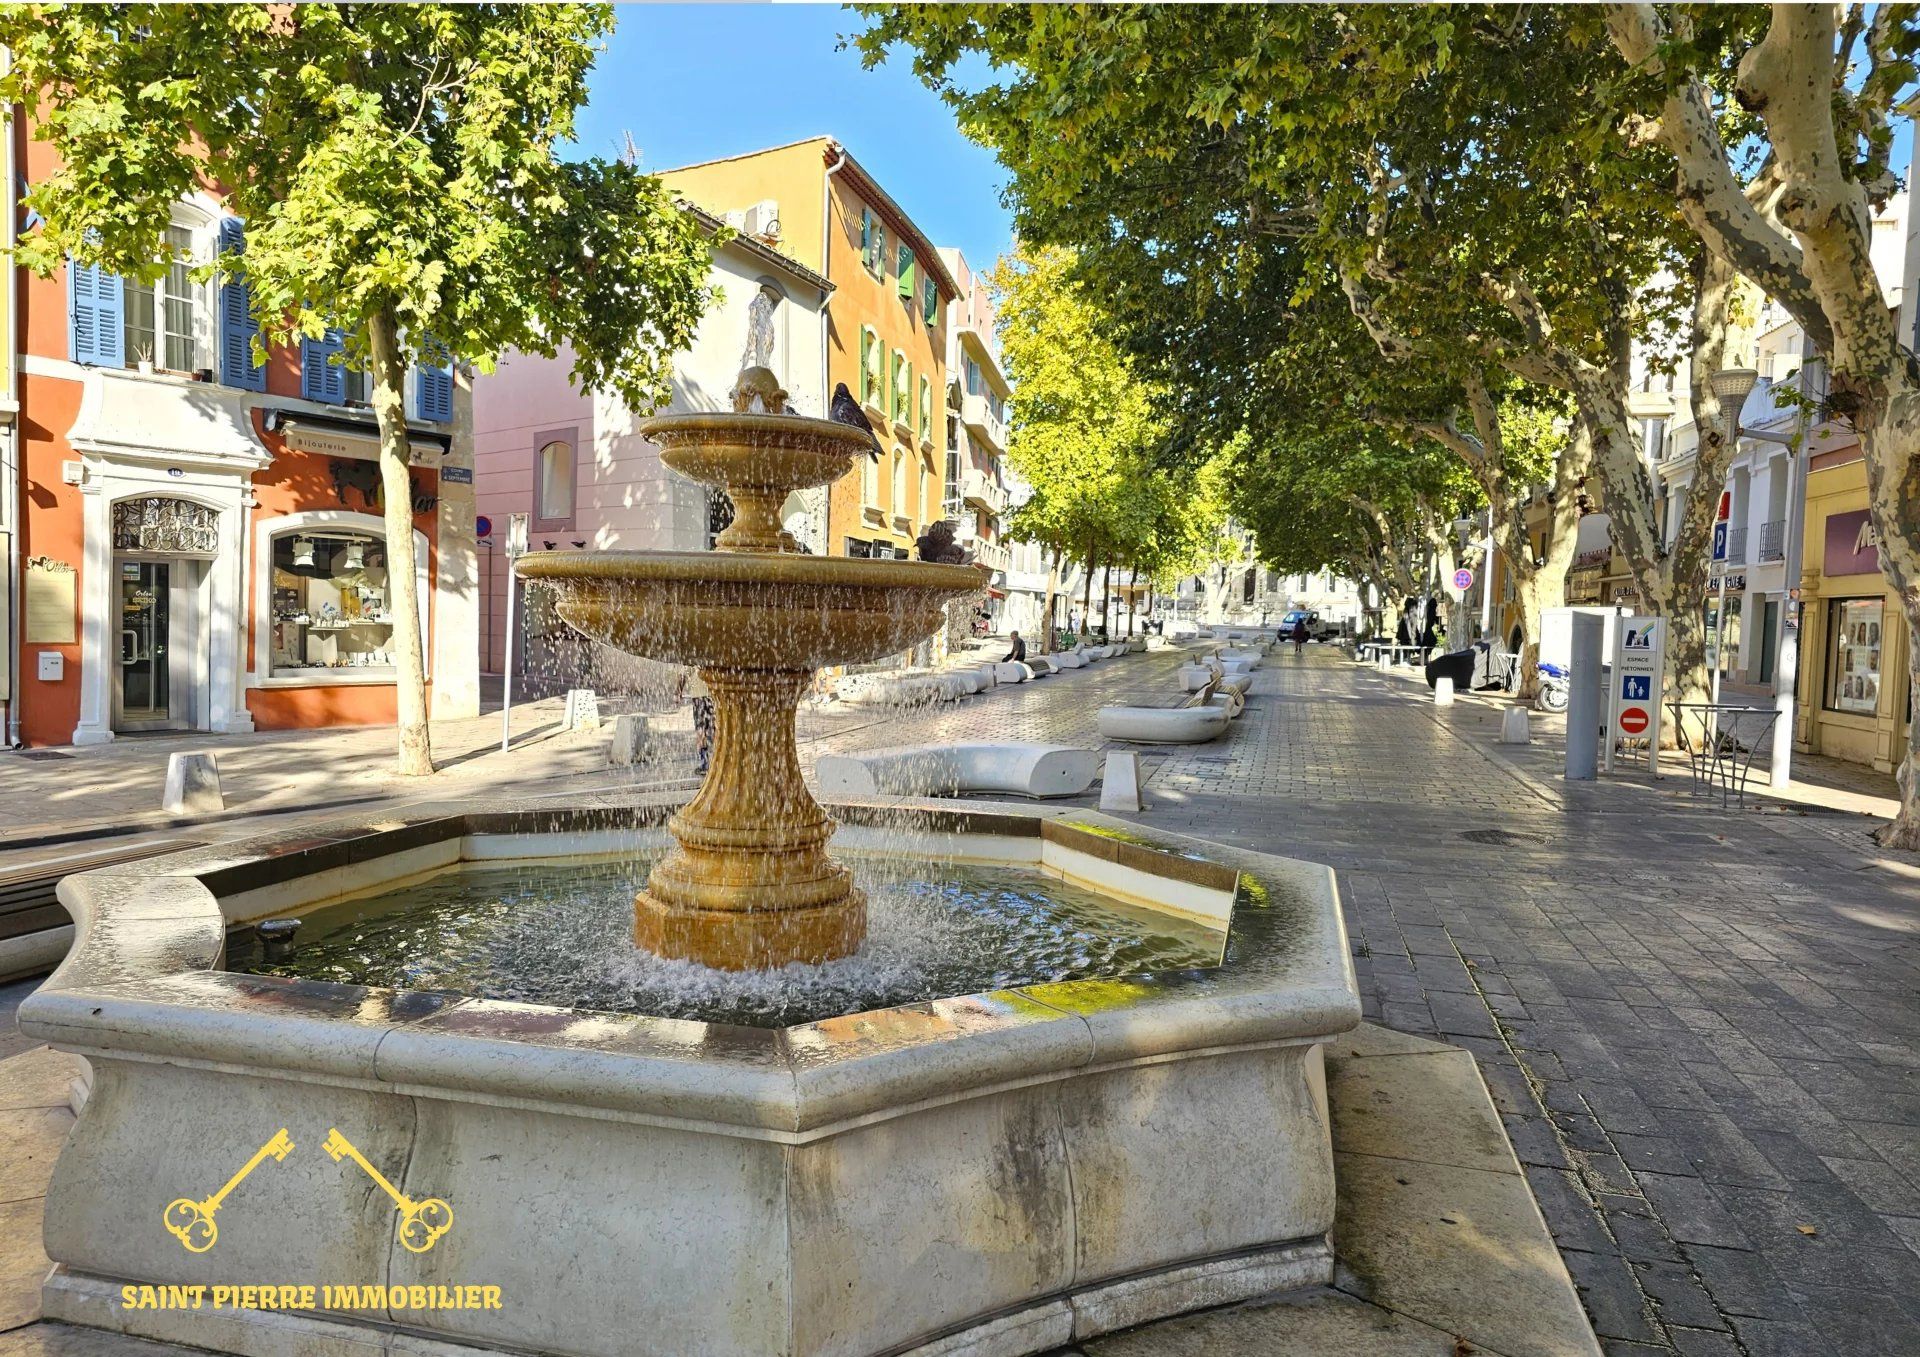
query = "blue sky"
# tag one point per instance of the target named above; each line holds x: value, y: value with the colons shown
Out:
x: 696, y: 82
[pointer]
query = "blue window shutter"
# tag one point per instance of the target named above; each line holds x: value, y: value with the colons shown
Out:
x: 237, y: 325
x: 433, y: 392
x: 96, y: 316
x: 322, y: 379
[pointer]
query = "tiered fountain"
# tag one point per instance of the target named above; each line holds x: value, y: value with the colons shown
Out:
x: 1065, y: 1151
x: 749, y: 883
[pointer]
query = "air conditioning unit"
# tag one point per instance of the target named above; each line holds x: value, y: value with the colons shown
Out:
x: 762, y: 222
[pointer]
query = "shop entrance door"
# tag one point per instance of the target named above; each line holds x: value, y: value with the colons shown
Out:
x: 150, y: 690
x: 1769, y: 633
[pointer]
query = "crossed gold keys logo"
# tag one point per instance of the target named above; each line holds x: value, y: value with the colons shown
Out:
x: 422, y: 1222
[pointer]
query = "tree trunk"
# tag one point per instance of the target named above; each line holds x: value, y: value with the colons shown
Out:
x: 1106, y: 597
x: 1046, y: 612
x: 389, y: 375
x: 1086, y: 593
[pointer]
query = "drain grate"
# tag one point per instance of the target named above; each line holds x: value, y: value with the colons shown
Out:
x: 43, y: 754
x: 1502, y: 838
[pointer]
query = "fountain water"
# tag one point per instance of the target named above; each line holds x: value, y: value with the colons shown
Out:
x: 749, y: 883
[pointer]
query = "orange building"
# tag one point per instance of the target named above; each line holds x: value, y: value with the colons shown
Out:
x: 199, y: 542
x: 885, y: 322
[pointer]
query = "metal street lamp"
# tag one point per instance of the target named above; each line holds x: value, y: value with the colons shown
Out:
x: 1733, y: 385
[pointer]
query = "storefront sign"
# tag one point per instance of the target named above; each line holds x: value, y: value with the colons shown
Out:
x: 50, y: 605
x: 1853, y: 548
x: 328, y: 442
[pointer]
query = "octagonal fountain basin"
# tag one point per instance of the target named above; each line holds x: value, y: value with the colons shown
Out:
x: 1070, y: 1083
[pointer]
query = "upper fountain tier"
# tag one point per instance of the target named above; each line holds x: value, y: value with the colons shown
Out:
x: 757, y: 602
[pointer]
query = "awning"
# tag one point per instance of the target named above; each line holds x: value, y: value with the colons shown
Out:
x: 1593, y: 541
x: 350, y: 438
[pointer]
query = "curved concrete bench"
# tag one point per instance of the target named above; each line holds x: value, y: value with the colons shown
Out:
x: 1164, y: 725
x: 1233, y: 653
x: 1039, y: 770
x: 1042, y: 665
x: 1069, y: 659
x: 1012, y: 671
x: 1194, y: 677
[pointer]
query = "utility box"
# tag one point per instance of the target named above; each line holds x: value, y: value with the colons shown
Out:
x: 1556, y: 631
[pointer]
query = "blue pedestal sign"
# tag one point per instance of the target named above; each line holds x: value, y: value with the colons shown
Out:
x: 1639, y: 660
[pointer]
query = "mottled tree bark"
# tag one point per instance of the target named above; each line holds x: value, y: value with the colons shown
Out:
x: 1802, y: 230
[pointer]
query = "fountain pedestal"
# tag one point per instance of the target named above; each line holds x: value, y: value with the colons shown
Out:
x: 749, y: 883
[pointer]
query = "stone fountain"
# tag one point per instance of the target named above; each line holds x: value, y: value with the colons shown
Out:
x: 993, y: 1173
x: 749, y: 883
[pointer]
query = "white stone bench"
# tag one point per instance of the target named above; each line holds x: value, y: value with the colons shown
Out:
x: 1042, y: 665
x: 1194, y: 677
x: 1164, y: 725
x: 1069, y: 659
x: 1038, y: 770
x: 1012, y: 671
x: 1235, y: 654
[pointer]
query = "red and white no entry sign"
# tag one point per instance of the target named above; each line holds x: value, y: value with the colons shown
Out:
x: 1633, y: 720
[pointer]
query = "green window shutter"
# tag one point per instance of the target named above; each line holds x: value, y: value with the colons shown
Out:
x: 906, y: 272
x: 930, y: 300
x: 866, y: 236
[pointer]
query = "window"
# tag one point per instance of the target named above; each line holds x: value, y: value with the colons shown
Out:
x: 554, y: 472
x: 908, y: 279
x: 1653, y: 434
x: 163, y: 319
x: 873, y: 243
x: 899, y: 483
x: 929, y: 300
x: 330, y: 603
x: 869, y: 483
x: 926, y: 408
x: 872, y: 359
x: 902, y: 389
x: 975, y: 384
x: 1853, y: 654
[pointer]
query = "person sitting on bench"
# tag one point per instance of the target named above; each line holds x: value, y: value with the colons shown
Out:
x: 1019, y: 650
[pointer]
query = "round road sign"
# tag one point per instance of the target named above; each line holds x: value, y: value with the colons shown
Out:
x: 1634, y: 720
x: 1463, y: 578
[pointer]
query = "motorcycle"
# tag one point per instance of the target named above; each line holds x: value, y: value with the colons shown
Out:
x: 1553, y: 686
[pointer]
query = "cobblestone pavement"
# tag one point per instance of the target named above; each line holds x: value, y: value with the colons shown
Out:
x: 1701, y: 1026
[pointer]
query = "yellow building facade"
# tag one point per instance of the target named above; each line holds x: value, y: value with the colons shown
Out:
x: 886, y: 322
x: 1853, y: 679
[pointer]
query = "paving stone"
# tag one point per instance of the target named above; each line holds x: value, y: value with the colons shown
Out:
x: 1691, y: 1211
x: 1608, y: 1289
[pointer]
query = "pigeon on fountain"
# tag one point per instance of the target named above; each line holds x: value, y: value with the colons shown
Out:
x: 846, y: 410
x: 936, y: 544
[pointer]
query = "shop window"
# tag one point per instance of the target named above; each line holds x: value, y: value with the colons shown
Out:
x: 1853, y: 654
x: 330, y: 604
x: 553, y: 484
x: 164, y: 318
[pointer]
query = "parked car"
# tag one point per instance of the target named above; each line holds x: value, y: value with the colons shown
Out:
x: 1318, y: 628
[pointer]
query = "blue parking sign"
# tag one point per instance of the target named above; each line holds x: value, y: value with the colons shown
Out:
x: 1720, y: 541
x: 1636, y: 688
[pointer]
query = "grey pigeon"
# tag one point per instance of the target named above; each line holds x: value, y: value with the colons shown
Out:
x: 846, y: 410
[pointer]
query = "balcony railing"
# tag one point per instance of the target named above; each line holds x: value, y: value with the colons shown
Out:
x: 1773, y: 540
x: 1737, y: 545
x: 977, y: 487
x: 979, y: 417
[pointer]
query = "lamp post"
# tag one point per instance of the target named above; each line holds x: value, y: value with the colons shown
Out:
x: 1732, y: 385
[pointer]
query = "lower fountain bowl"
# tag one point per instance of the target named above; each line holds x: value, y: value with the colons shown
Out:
x: 994, y: 1173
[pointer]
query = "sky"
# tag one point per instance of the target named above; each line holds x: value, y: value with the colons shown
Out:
x: 697, y: 82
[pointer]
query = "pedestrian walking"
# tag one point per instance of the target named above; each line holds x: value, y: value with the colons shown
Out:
x: 1299, y: 637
